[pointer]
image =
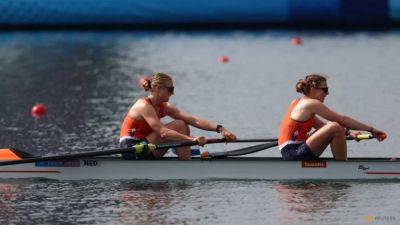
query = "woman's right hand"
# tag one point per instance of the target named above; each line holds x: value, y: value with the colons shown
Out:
x: 380, y: 135
x: 201, y: 140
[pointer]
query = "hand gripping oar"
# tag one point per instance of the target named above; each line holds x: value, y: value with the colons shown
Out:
x: 138, y: 149
x: 257, y: 148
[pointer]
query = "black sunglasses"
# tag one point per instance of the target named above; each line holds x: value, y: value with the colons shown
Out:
x: 170, y: 89
x: 324, y: 89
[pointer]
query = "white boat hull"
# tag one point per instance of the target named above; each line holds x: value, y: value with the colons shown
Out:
x: 228, y: 168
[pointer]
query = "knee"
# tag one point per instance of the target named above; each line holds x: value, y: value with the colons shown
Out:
x: 337, y: 128
x: 180, y: 123
x: 181, y: 126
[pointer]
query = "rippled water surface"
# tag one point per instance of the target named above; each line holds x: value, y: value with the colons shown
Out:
x: 197, y: 202
x: 88, y: 81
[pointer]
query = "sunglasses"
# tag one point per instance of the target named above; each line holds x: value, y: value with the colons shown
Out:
x: 324, y: 89
x: 170, y: 89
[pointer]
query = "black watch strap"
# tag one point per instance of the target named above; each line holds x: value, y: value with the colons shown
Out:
x: 219, y: 128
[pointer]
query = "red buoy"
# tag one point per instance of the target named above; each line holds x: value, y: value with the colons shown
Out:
x: 38, y: 110
x: 223, y: 59
x: 297, y: 41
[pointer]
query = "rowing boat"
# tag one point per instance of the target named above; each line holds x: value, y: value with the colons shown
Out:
x: 248, y: 168
x: 219, y: 165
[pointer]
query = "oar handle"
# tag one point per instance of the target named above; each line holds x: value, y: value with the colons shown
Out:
x: 361, y: 137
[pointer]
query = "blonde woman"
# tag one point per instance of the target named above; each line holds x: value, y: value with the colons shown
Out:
x: 142, y: 122
x: 303, y: 114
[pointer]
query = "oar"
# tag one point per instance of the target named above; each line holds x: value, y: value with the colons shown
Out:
x: 240, y: 151
x: 257, y: 148
x: 256, y: 140
x: 196, y: 152
x: 246, y: 140
x: 139, y: 149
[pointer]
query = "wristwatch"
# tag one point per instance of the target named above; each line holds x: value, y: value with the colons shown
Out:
x: 219, y: 128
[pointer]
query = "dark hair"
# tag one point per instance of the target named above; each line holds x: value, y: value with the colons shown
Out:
x: 313, y: 80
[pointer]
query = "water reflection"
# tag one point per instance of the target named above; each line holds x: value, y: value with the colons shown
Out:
x: 150, y: 202
x: 302, y: 200
x: 125, y: 202
x: 8, y: 193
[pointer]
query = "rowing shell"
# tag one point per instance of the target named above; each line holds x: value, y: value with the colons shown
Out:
x: 247, y: 168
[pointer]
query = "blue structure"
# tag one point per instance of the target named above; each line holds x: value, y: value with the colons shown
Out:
x: 187, y: 12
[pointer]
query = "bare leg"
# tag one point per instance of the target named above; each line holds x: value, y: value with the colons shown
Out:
x: 180, y: 126
x: 332, y: 133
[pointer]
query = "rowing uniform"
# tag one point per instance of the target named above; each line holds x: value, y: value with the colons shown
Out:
x: 293, y: 136
x: 135, y: 131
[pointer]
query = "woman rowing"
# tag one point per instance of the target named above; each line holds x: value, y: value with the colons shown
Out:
x: 142, y: 123
x: 302, y: 115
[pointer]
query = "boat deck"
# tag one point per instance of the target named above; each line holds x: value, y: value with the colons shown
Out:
x: 247, y: 168
x: 274, y: 159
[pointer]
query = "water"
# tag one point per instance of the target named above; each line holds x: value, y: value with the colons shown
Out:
x: 88, y: 81
x: 197, y: 202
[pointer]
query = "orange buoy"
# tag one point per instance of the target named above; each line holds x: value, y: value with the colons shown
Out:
x: 297, y: 41
x: 223, y: 59
x: 38, y: 110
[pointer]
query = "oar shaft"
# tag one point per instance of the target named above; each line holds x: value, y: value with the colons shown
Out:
x: 256, y: 140
x: 107, y: 152
x: 359, y: 137
x: 161, y: 146
x: 137, y: 148
x: 66, y: 157
x: 260, y: 147
x: 242, y: 140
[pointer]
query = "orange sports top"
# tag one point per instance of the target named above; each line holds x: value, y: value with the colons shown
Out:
x: 292, y: 131
x: 138, y: 128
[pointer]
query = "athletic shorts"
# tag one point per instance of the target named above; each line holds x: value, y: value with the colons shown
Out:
x: 299, y: 151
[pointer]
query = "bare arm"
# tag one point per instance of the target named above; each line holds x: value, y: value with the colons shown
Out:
x: 195, y: 121
x: 318, y: 123
x: 188, y: 118
x: 150, y: 115
x: 320, y: 109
